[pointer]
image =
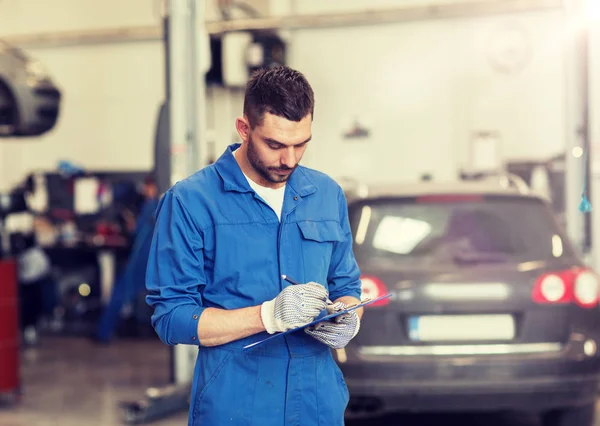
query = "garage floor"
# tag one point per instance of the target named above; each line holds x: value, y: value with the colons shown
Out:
x: 71, y: 381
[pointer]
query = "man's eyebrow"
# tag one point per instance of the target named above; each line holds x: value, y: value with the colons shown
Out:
x: 275, y: 142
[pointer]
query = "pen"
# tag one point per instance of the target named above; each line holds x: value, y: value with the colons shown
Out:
x: 289, y: 280
x: 294, y: 282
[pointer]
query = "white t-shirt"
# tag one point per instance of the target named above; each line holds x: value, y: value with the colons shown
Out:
x: 273, y: 197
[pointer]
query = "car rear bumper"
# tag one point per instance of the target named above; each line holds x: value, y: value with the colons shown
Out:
x: 370, y: 397
x: 530, y: 382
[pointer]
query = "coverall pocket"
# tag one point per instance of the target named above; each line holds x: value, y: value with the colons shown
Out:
x: 228, y: 393
x: 211, y: 364
x: 319, y: 238
x: 332, y: 393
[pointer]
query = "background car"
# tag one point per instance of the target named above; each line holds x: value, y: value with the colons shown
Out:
x: 491, y: 307
x: 29, y: 99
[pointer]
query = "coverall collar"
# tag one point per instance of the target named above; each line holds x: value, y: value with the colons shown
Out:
x: 234, y: 179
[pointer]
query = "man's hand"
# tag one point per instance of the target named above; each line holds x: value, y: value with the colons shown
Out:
x: 338, y: 331
x: 295, y: 306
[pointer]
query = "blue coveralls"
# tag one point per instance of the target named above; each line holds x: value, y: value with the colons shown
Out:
x: 218, y: 244
x: 132, y: 280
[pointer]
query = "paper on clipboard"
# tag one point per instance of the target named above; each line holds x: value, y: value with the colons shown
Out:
x: 318, y: 320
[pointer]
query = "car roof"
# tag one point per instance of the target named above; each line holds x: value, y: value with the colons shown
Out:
x: 415, y: 189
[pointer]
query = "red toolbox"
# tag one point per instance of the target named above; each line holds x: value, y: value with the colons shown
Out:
x: 9, y: 328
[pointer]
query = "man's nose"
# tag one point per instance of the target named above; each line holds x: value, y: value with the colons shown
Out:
x: 288, y: 157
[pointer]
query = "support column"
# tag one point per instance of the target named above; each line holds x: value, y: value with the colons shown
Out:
x: 186, y: 112
x: 592, y: 14
x: 576, y: 140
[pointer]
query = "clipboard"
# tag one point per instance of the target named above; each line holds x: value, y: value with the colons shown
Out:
x: 318, y: 320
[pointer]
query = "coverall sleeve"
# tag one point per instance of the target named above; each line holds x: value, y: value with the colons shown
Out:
x: 344, y: 274
x: 174, y: 273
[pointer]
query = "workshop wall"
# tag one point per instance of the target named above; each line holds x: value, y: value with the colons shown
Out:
x: 416, y: 89
x: 312, y: 7
x: 423, y: 89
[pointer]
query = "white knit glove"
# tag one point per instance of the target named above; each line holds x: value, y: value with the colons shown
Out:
x: 338, y: 331
x: 295, y: 306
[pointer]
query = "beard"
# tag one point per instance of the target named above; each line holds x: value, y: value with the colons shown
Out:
x: 270, y: 174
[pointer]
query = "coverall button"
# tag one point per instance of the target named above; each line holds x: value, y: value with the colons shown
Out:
x: 296, y: 198
x: 195, y: 317
x: 193, y: 337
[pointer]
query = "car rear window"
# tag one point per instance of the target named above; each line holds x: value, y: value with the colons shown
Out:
x: 456, y: 229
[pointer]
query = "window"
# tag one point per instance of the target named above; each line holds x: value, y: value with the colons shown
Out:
x: 493, y: 228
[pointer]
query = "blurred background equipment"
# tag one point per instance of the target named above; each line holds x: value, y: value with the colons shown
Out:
x: 80, y: 222
x: 12, y: 202
x: 236, y: 54
x: 29, y: 98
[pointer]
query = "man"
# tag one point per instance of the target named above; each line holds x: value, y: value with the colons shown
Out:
x: 223, y: 239
x: 131, y: 281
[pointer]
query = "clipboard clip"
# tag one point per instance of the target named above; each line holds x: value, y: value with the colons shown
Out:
x: 347, y: 308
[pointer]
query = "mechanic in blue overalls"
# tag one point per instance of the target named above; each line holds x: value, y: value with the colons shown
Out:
x: 132, y: 281
x: 224, y: 237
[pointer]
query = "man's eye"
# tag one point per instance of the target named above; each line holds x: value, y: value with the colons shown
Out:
x: 274, y: 146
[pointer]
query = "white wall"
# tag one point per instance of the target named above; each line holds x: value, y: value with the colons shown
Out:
x: 313, y: 7
x: 421, y: 88
x: 25, y: 16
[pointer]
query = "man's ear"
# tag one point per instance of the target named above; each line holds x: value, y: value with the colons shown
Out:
x: 243, y: 128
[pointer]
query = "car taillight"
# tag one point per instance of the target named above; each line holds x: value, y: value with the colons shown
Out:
x: 586, y: 289
x: 372, y: 288
x: 581, y: 286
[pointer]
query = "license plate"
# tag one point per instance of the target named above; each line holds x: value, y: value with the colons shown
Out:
x: 456, y: 328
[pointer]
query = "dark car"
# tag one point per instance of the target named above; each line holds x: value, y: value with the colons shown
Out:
x: 491, y: 307
x: 29, y: 99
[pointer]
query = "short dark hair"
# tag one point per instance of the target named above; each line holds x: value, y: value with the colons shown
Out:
x: 280, y: 91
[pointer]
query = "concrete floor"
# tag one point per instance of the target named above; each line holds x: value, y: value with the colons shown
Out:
x: 70, y: 381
